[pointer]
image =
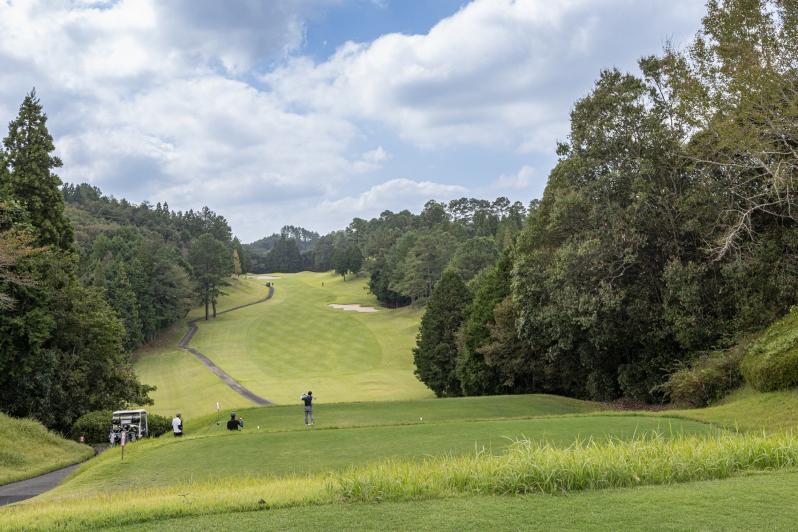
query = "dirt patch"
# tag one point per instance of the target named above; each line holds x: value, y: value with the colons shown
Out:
x: 354, y: 308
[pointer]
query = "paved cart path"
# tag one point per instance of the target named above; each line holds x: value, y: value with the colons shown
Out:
x: 31, y: 487
x: 230, y: 381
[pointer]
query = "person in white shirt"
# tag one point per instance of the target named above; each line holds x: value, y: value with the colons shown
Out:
x: 177, y: 425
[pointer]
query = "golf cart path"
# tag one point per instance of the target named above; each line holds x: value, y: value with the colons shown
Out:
x: 31, y: 487
x: 230, y: 381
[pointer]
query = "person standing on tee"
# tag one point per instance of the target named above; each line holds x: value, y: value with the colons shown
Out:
x: 307, y: 398
x: 177, y: 425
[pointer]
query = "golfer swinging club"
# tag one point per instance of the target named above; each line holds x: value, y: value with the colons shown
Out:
x: 307, y: 398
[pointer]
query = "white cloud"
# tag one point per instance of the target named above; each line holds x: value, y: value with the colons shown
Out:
x: 394, y: 194
x: 143, y: 99
x: 371, y: 160
x: 156, y: 100
x: 517, y: 181
x: 498, y: 72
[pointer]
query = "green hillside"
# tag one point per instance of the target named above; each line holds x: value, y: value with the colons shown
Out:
x: 28, y: 449
x: 292, y: 343
x: 184, y: 384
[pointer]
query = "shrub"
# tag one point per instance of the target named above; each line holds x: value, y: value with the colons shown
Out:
x: 707, y: 379
x: 94, y: 426
x: 771, y: 362
x: 158, y: 425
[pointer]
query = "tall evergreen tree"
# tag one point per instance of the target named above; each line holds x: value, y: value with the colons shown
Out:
x: 435, y: 354
x: 29, y: 178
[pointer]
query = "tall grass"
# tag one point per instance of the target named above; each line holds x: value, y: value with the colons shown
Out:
x: 528, y: 467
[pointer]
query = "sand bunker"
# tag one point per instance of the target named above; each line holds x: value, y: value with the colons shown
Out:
x: 265, y: 277
x: 354, y: 308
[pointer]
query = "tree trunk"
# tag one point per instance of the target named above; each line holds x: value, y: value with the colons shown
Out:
x: 213, y: 304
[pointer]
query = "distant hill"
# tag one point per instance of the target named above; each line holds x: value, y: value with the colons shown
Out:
x: 290, y: 250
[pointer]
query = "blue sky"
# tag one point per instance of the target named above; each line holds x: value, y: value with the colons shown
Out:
x: 311, y: 112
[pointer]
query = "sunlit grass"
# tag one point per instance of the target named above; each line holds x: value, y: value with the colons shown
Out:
x: 296, y: 342
x: 527, y: 467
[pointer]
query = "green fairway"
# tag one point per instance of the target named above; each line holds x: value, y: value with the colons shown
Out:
x: 296, y: 342
x: 183, y: 383
x: 28, y: 449
x: 751, y: 502
x: 402, y: 412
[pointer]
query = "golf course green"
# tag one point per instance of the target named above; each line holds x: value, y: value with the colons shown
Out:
x: 380, y: 436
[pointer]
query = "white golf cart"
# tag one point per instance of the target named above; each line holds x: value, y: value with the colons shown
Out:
x: 132, y: 422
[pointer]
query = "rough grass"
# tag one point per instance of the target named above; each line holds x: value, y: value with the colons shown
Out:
x: 771, y: 362
x: 747, y: 409
x: 295, y: 343
x: 744, y: 502
x: 28, y: 449
x: 528, y: 467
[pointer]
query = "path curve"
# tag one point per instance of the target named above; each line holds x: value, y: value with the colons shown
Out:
x: 31, y: 487
x: 226, y: 378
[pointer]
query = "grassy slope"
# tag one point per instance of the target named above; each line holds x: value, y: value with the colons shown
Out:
x: 184, y: 384
x: 28, y: 449
x: 750, y: 502
x: 295, y: 342
x: 747, y: 409
x: 258, y: 453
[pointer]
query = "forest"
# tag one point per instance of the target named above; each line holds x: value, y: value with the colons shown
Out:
x: 86, y: 279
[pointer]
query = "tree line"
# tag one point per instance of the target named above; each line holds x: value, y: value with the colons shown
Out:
x: 667, y: 228
x: 85, y: 279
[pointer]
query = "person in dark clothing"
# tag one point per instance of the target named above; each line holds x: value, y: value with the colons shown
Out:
x: 235, y: 424
x: 307, y: 398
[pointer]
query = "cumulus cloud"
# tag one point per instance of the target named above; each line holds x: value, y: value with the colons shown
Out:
x: 498, y: 72
x: 396, y: 194
x: 517, y: 181
x: 199, y: 102
x: 371, y: 160
x: 144, y: 100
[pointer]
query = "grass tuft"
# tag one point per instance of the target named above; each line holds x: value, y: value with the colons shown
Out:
x: 534, y: 467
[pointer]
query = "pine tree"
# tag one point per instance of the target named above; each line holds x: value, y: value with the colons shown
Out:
x: 435, y: 354
x: 29, y: 177
x: 123, y: 300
